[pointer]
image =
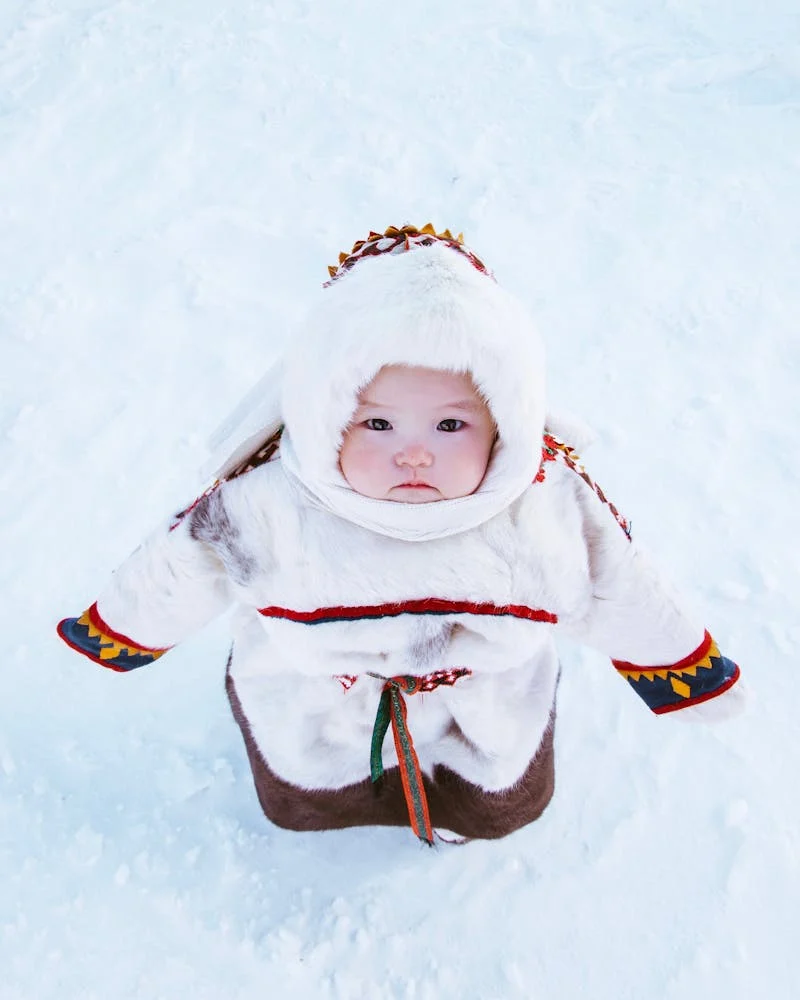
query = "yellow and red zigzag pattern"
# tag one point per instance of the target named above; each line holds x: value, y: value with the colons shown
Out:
x: 111, y: 643
x: 92, y: 637
x: 702, y: 675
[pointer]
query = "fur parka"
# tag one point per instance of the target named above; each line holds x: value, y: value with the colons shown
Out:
x: 332, y: 599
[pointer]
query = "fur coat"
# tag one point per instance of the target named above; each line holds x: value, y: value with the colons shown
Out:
x: 335, y: 593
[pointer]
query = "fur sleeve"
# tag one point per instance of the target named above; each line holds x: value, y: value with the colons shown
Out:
x: 636, y: 618
x: 169, y: 587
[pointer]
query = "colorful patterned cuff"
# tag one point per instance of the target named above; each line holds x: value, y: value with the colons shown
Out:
x: 90, y: 635
x: 702, y: 675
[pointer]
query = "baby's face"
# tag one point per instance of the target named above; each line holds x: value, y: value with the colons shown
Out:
x: 418, y: 435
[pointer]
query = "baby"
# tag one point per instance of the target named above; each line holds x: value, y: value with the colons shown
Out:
x: 403, y: 540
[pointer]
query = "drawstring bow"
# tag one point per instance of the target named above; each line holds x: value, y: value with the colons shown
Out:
x: 392, y: 710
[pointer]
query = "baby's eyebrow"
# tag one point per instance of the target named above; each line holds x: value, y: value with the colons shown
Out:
x: 459, y: 404
x: 463, y: 404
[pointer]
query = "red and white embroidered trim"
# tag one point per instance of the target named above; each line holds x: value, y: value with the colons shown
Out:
x: 428, y: 682
x: 553, y: 449
x: 188, y: 510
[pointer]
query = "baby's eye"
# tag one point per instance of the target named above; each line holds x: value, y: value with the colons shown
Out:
x: 450, y: 424
x: 377, y: 424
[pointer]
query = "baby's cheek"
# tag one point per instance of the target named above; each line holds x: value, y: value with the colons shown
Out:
x: 356, y: 456
x: 477, y: 458
x: 361, y: 451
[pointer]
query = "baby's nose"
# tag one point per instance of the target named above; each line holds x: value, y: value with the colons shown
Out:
x: 416, y: 456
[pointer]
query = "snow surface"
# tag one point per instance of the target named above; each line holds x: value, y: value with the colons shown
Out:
x: 174, y: 178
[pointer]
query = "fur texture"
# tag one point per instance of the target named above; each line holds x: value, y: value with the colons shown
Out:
x: 269, y: 539
x: 557, y: 548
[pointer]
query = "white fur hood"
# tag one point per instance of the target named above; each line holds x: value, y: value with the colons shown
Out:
x: 429, y: 307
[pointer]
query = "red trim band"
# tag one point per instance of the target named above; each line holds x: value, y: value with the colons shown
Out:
x: 426, y: 606
x: 118, y: 637
x: 688, y: 661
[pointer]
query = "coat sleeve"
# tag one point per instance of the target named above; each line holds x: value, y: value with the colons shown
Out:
x: 636, y: 618
x: 169, y: 587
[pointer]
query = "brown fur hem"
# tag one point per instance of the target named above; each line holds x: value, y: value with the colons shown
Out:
x: 455, y: 803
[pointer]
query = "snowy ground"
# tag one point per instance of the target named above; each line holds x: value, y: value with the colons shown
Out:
x: 174, y: 178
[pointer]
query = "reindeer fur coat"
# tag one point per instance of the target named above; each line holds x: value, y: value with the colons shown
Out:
x: 334, y: 592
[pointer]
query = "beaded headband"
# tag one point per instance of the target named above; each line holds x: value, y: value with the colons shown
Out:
x: 399, y: 240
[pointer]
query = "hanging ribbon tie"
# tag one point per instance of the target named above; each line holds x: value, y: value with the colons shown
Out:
x: 392, y: 710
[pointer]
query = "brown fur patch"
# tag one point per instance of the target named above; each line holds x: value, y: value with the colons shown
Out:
x: 211, y: 523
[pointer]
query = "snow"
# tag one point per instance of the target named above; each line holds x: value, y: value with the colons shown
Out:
x: 175, y: 178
